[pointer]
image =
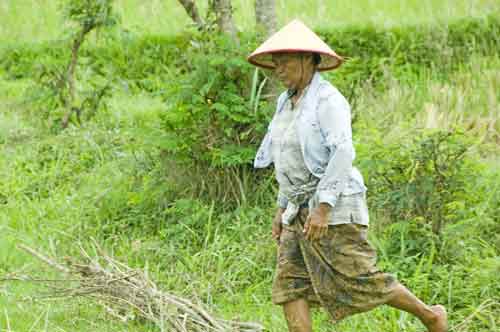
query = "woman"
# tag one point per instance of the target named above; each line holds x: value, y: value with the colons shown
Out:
x: 322, y: 219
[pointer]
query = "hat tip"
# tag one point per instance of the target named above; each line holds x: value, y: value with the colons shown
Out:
x: 296, y: 20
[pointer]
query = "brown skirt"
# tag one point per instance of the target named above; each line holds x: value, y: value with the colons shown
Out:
x: 338, y: 272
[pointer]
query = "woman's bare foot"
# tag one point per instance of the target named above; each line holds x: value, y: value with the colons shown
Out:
x: 440, y: 322
x: 433, y: 317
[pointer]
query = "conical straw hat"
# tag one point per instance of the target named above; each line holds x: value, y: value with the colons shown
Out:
x: 295, y: 37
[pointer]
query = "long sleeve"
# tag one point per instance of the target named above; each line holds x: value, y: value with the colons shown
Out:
x: 264, y: 156
x: 334, y: 115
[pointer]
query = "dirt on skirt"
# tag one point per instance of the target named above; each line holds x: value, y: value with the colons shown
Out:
x: 337, y: 272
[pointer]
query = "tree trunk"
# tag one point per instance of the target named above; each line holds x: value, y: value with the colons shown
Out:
x: 266, y: 23
x: 265, y: 15
x: 224, y: 17
x: 192, y: 11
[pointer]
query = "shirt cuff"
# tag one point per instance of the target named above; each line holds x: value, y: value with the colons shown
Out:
x: 327, y: 196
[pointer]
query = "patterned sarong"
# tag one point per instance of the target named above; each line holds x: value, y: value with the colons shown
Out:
x: 338, y: 272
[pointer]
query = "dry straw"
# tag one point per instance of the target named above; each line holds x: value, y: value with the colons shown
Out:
x: 128, y: 293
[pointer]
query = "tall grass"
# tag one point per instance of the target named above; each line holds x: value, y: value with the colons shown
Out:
x: 467, y: 99
x: 31, y: 21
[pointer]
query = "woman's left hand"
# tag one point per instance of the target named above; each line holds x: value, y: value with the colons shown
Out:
x: 316, y: 225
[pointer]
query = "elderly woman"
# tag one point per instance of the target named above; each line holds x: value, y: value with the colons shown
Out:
x: 321, y: 221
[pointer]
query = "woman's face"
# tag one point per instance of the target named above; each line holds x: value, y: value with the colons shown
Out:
x: 292, y: 68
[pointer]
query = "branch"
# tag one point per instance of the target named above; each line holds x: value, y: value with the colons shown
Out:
x: 192, y: 11
x: 120, y: 289
x: 43, y: 258
x: 70, y: 74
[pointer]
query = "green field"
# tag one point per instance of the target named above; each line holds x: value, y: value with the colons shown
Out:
x: 202, y: 226
x: 27, y: 20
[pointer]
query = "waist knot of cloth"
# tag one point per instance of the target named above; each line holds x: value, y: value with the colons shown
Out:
x: 296, y: 182
x: 297, y: 203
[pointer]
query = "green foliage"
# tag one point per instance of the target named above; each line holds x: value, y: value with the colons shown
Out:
x: 209, y: 118
x: 133, y: 60
x: 371, y: 51
x: 22, y: 60
x: 421, y: 178
x: 145, y: 182
x: 56, y: 92
x: 51, y: 97
x: 137, y: 63
x: 150, y: 17
x: 213, y: 120
x: 89, y: 14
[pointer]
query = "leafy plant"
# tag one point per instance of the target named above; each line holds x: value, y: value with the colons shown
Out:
x: 422, y: 177
x: 87, y: 15
x: 56, y: 78
x: 214, y: 121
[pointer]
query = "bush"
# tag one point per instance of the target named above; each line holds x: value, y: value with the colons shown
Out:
x: 422, y: 177
x: 213, y: 120
x: 209, y: 118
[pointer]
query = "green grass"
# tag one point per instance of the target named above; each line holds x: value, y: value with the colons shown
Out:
x: 102, y: 181
x: 106, y: 180
x: 33, y: 21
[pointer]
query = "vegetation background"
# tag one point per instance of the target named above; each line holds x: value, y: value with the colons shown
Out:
x: 159, y: 171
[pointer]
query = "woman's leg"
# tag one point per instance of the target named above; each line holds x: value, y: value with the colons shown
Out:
x: 433, y: 317
x: 298, y: 316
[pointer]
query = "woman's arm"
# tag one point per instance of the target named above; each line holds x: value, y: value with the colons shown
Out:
x: 334, y: 114
x: 277, y: 225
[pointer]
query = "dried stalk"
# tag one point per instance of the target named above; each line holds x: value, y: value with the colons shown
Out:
x: 44, y: 258
x: 192, y: 11
x: 119, y: 288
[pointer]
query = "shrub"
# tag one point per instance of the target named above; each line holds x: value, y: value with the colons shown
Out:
x: 213, y: 122
x: 421, y: 177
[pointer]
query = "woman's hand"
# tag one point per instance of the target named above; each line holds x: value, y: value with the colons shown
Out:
x: 317, y: 222
x: 277, y: 226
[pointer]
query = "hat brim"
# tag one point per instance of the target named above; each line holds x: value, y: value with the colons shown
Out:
x: 329, y: 61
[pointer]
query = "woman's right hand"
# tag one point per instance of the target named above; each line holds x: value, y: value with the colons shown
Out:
x: 277, y: 226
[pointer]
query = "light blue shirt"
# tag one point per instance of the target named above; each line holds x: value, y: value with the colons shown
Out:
x: 325, y: 136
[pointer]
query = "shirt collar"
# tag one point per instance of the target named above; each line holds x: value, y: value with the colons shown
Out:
x: 310, y: 99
